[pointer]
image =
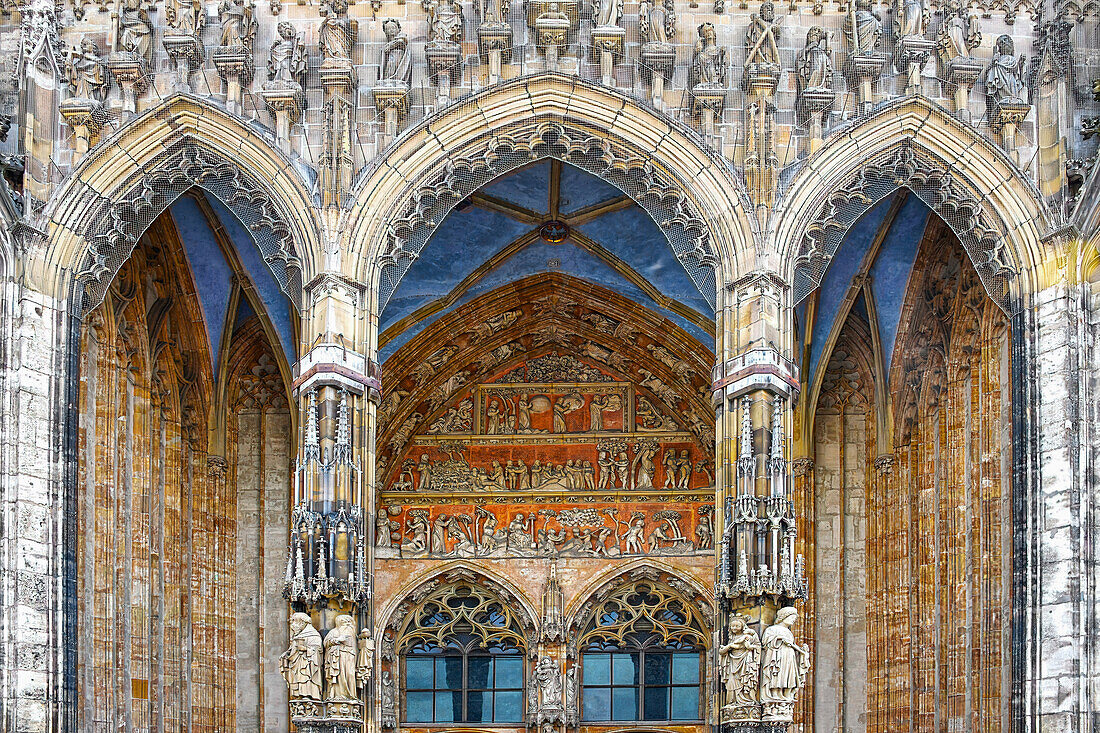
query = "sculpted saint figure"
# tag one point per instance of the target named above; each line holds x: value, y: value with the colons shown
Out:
x: 185, y: 17
x: 814, y: 68
x: 337, y: 33
x: 909, y: 18
x: 784, y: 666
x: 762, y: 38
x: 495, y: 11
x: 608, y: 13
x: 364, y: 664
x: 1004, y: 79
x: 287, y: 62
x: 657, y: 21
x: 301, y: 663
x: 549, y: 680
x: 444, y: 21
x: 863, y: 29
x: 86, y: 71
x: 135, y: 30
x: 960, y: 32
x: 739, y: 663
x: 340, y: 660
x: 238, y: 23
x: 708, y: 65
x: 396, y: 61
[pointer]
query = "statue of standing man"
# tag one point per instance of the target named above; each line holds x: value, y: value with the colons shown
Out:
x: 301, y: 663
x: 784, y: 668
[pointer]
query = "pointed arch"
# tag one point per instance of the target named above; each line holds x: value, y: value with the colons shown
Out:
x: 911, y: 143
x: 93, y: 222
x: 692, y: 193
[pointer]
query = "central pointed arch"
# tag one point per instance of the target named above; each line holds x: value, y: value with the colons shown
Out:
x: 690, y: 191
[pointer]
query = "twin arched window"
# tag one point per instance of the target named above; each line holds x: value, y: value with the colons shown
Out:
x: 641, y: 658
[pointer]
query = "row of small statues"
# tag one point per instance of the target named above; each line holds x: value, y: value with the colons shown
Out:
x: 761, y: 675
x: 333, y: 670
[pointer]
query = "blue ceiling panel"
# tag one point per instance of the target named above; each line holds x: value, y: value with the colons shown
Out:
x: 890, y: 272
x: 528, y: 187
x: 580, y: 190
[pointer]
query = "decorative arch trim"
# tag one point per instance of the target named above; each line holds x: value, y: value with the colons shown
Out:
x: 130, y: 178
x: 691, y: 192
x: 970, y: 183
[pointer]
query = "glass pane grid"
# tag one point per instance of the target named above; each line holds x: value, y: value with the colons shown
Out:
x: 463, y: 689
x: 640, y: 685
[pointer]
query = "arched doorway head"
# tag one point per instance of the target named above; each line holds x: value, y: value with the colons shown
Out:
x: 997, y: 213
x: 690, y: 192
x: 134, y: 175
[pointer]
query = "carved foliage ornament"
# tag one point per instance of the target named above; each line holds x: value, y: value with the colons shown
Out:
x: 905, y: 167
x: 590, y: 150
x: 123, y: 219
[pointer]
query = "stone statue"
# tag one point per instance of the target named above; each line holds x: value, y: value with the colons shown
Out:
x: 337, y: 35
x: 739, y: 663
x: 86, y: 71
x: 607, y: 13
x: 495, y: 11
x: 814, y: 68
x: 960, y: 32
x: 389, y: 700
x: 238, y: 23
x: 444, y: 21
x: 909, y: 18
x: 784, y: 667
x: 135, y: 30
x: 548, y: 678
x: 863, y: 28
x: 340, y: 660
x: 287, y: 62
x: 396, y: 60
x: 185, y: 17
x: 1004, y: 79
x: 657, y: 21
x: 708, y: 64
x: 762, y: 37
x: 301, y: 663
x: 572, y: 696
x: 364, y: 664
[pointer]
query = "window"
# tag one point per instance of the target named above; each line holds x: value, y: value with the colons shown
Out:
x: 642, y: 659
x: 445, y: 687
x: 462, y: 659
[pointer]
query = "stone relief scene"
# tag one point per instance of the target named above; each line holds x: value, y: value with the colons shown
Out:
x: 567, y: 366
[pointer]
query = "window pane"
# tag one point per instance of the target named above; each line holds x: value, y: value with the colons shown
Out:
x: 685, y: 703
x: 418, y: 673
x: 597, y: 703
x: 624, y: 703
x: 685, y: 668
x: 656, y: 703
x: 477, y: 677
x: 448, y: 673
x: 418, y: 707
x: 624, y: 670
x: 446, y: 703
x: 509, y: 707
x: 479, y: 707
x: 596, y: 669
x: 657, y: 669
x: 509, y: 673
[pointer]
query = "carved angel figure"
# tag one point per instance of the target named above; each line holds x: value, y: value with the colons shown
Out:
x: 1004, y: 79
x: 287, y: 62
x: 762, y: 37
x: 785, y: 663
x: 657, y: 21
x: 960, y: 32
x: 86, y: 71
x: 814, y: 68
x: 301, y: 663
x: 739, y: 663
x: 444, y: 21
x: 238, y: 23
x: 863, y: 28
x: 135, y: 30
x: 708, y: 65
x: 396, y: 61
x: 340, y: 660
x: 337, y: 34
x: 607, y: 13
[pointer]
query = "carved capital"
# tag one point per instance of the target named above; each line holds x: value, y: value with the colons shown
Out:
x: 802, y: 467
x: 884, y: 464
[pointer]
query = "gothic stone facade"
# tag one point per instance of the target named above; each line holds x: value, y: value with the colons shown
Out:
x: 392, y: 365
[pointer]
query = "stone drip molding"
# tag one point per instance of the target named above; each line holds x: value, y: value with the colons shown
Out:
x: 906, y: 166
x: 121, y: 220
x: 572, y: 142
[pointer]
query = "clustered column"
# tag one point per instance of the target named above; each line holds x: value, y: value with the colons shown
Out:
x: 761, y: 665
x: 330, y: 662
